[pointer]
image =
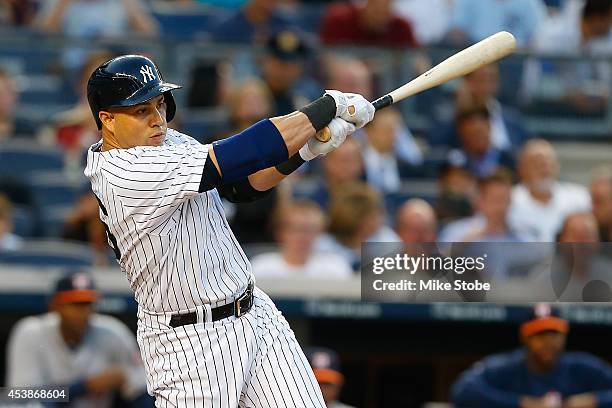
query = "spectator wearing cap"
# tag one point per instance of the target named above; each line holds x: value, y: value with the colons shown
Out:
x: 326, y: 367
x: 252, y: 23
x: 95, y: 356
x: 282, y: 65
x: 371, y: 23
x: 539, y: 375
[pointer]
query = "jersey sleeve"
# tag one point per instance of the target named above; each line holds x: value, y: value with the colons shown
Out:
x: 23, y: 363
x: 151, y: 182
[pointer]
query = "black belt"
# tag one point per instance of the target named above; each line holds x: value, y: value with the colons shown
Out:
x: 237, y: 308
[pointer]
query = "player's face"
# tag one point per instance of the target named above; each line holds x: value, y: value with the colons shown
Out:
x: 545, y: 347
x: 140, y: 125
x: 75, y: 317
x: 330, y: 392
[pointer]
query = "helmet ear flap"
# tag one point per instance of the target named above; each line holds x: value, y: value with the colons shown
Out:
x: 170, y: 106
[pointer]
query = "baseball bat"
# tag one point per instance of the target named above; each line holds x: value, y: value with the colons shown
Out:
x: 468, y: 60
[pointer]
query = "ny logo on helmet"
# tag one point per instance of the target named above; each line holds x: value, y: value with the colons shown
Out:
x: 147, y: 73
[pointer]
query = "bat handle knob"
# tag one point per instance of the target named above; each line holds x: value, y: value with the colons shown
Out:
x: 324, y: 134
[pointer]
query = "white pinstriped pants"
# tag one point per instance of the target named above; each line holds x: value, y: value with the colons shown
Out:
x: 253, y: 361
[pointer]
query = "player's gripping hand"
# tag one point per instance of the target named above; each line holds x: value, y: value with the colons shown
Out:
x: 339, y: 129
x: 353, y: 108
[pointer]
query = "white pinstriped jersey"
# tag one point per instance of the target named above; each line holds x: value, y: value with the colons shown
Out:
x: 173, y: 243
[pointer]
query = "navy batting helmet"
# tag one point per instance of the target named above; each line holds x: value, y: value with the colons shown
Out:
x: 127, y: 81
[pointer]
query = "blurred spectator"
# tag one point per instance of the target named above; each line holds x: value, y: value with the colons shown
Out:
x: 474, y: 20
x: 248, y: 103
x: 416, y: 222
x: 282, y: 65
x: 481, y: 88
x: 95, y: 356
x: 84, y: 225
x: 298, y: 225
x: 430, y: 19
x: 326, y: 367
x: 341, y: 166
x: 356, y: 215
x: 540, y: 375
x: 584, y: 30
x: 352, y: 75
x: 254, y: 22
x: 95, y: 18
x: 8, y: 240
x: 10, y: 124
x: 490, y: 223
x: 382, y: 167
x: 17, y: 12
x: 456, y: 192
x: 477, y: 152
x: 601, y: 197
x: 372, y: 23
x: 74, y: 130
x: 540, y: 202
x: 580, y: 272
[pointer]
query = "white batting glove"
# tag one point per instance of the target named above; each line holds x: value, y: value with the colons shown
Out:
x: 352, y: 107
x: 341, y: 101
x: 339, y: 130
x: 363, y: 112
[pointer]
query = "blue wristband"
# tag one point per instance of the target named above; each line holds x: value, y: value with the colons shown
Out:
x: 256, y: 148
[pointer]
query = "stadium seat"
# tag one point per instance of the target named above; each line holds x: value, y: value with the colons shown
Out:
x: 49, y: 253
x: 186, y: 23
x: 23, y: 157
x: 205, y: 125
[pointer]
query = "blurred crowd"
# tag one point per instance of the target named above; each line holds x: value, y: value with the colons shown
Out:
x: 476, y: 171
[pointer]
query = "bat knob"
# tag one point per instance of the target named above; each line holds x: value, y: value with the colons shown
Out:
x: 323, y: 135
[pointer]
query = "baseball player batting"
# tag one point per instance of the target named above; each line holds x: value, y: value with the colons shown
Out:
x: 207, y: 335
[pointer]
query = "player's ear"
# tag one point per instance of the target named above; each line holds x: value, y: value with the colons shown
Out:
x: 107, y: 119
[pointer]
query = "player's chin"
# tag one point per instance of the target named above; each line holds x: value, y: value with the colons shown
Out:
x: 157, y: 140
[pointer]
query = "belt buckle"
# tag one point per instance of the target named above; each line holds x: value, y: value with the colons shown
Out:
x: 237, y: 303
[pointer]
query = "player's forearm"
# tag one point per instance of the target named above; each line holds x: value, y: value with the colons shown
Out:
x: 266, y: 179
x: 295, y: 128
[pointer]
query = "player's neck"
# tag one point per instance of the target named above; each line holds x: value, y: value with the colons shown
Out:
x: 109, y: 142
x: 536, y: 366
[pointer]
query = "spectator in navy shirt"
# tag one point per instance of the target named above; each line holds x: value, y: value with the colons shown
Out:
x: 477, y: 153
x: 541, y: 375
